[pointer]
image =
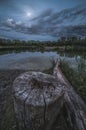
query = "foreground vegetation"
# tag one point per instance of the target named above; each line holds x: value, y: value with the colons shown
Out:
x: 77, y: 79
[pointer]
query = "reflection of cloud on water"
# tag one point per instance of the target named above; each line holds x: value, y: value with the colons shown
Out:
x: 32, y: 63
x: 35, y: 60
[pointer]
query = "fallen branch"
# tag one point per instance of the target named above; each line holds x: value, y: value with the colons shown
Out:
x: 75, y: 107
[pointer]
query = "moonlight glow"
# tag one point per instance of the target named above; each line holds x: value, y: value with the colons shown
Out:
x: 29, y: 14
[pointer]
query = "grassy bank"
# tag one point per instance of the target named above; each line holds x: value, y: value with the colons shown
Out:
x: 77, y: 79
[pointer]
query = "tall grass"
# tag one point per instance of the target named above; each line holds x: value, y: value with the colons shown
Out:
x: 77, y: 79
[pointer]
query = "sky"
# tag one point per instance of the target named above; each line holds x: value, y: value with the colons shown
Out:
x: 42, y: 19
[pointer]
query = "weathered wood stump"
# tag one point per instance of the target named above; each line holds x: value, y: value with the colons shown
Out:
x: 74, y: 105
x: 38, y: 98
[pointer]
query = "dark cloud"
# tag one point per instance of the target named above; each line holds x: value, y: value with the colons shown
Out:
x: 45, y: 15
x: 2, y: 1
x: 5, y: 1
x: 77, y: 30
x: 65, y: 23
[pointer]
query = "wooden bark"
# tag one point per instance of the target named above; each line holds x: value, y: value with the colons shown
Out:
x: 38, y: 98
x: 74, y: 105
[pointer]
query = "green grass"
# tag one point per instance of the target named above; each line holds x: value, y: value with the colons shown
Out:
x: 77, y: 79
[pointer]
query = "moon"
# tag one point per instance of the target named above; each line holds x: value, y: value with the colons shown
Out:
x: 29, y: 14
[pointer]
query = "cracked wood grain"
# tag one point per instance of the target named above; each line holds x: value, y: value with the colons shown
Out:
x: 38, y: 100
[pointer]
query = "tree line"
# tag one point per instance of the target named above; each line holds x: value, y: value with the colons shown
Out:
x: 64, y: 42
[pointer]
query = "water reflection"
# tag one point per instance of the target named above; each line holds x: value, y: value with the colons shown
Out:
x: 27, y: 60
x: 19, y: 59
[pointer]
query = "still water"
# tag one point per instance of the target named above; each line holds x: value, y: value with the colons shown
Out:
x: 38, y: 60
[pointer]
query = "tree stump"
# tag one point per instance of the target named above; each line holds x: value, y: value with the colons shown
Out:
x: 38, y: 98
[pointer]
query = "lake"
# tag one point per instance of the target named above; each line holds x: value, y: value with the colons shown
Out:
x: 38, y: 60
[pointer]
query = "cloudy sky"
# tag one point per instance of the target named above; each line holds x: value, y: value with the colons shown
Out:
x: 42, y: 19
